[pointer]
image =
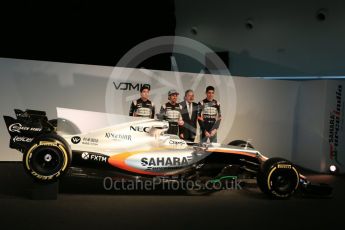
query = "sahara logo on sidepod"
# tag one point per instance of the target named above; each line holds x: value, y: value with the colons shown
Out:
x: 165, y: 162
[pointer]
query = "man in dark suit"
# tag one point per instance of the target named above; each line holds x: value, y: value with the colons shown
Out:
x: 189, y: 116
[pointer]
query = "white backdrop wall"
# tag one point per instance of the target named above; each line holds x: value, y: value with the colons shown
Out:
x: 317, y: 101
x: 45, y: 86
x: 265, y: 111
x: 309, y: 137
x: 265, y: 114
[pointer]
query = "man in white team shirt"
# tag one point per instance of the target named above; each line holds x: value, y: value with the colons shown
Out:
x: 143, y: 107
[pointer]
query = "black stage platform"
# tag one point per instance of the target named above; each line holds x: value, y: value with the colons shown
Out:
x: 86, y: 206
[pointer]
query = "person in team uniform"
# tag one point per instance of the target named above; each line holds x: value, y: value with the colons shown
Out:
x: 209, y: 116
x: 171, y: 111
x: 143, y: 107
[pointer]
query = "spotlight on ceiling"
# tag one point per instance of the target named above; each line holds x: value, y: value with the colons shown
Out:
x: 321, y: 14
x: 333, y: 169
x: 194, y: 30
x: 249, y: 24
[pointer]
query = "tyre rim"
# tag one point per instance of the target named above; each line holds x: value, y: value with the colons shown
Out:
x: 46, y: 161
x: 284, y: 181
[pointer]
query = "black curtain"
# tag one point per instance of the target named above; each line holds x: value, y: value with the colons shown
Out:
x: 81, y: 31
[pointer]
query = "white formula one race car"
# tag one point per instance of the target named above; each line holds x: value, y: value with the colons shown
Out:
x: 142, y: 149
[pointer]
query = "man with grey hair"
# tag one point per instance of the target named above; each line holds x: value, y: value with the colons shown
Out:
x: 189, y: 116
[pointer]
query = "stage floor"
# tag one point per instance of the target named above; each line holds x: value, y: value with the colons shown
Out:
x: 81, y: 205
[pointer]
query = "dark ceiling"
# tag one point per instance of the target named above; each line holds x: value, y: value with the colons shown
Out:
x: 88, y: 32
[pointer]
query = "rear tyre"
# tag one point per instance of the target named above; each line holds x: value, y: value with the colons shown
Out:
x: 48, y: 158
x: 278, y: 178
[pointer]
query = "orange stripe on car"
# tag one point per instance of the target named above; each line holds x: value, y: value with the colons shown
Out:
x: 119, y: 161
x: 232, y: 152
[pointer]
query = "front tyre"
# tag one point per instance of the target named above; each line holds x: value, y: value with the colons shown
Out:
x: 48, y: 158
x: 278, y: 178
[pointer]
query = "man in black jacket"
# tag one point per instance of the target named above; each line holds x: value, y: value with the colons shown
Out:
x: 189, y: 116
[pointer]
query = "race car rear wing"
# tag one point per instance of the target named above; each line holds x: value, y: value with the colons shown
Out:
x: 26, y: 126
